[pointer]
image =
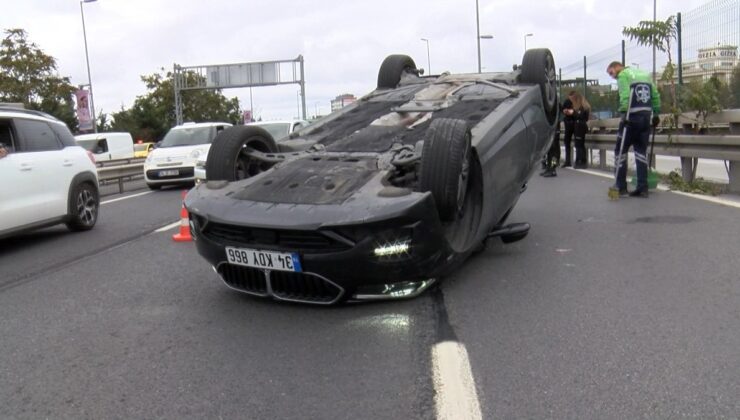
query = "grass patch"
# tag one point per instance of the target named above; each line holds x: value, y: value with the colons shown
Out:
x: 697, y: 186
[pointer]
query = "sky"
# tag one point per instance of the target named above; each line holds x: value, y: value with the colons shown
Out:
x: 342, y: 42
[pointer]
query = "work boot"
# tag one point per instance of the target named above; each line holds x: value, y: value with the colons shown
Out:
x: 639, y: 193
x: 550, y: 173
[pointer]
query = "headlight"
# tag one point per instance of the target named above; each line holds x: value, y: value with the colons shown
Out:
x: 149, y: 158
x: 393, y: 248
x: 195, y: 153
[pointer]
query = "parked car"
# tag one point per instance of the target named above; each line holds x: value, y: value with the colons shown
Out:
x: 382, y: 197
x: 107, y: 146
x: 141, y: 150
x: 173, y: 161
x: 53, y: 179
x: 279, y: 130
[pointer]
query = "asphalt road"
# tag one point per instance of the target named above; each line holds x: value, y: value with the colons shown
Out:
x: 621, y: 309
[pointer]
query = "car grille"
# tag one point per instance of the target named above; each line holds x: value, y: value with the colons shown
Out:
x: 183, y: 173
x: 246, y: 279
x: 296, y: 287
x: 292, y: 240
x: 303, y: 287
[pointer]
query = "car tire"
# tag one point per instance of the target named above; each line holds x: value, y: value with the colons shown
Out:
x: 226, y: 158
x: 445, y: 165
x: 154, y: 187
x: 83, y: 207
x: 392, y: 68
x: 538, y: 67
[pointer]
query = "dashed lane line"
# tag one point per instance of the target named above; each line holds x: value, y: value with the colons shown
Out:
x: 455, y: 397
x: 126, y: 197
x: 168, y: 227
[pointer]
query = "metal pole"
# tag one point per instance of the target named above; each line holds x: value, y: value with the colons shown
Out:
x: 89, y: 79
x: 624, y: 58
x: 429, y: 62
x: 679, y: 37
x: 477, y: 32
x: 176, y: 83
x: 585, y: 91
x: 654, y: 18
x: 303, y: 88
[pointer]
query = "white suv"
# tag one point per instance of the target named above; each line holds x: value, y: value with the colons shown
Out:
x: 173, y: 161
x: 47, y: 178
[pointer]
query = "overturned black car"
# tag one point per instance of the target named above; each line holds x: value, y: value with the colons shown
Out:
x: 383, y: 197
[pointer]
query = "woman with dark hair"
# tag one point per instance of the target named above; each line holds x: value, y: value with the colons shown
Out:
x: 580, y: 113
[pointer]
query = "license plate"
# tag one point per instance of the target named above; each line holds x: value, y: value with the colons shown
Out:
x: 169, y: 172
x: 281, y: 261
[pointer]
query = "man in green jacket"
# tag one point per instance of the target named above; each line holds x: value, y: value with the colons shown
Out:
x: 639, y: 106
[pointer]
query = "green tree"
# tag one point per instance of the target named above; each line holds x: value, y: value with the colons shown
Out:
x: 152, y: 115
x: 735, y: 87
x: 29, y: 76
x: 659, y: 34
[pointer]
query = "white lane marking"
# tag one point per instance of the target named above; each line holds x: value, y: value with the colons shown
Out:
x: 711, y: 199
x: 715, y: 200
x: 126, y: 197
x: 168, y: 227
x: 455, y: 397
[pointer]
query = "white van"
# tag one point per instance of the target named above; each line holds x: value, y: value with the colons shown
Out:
x: 108, y: 146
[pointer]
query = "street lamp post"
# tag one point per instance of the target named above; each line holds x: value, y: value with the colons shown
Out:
x: 525, y: 41
x: 479, y: 63
x: 478, y: 36
x: 429, y: 62
x: 87, y: 60
x: 654, y: 17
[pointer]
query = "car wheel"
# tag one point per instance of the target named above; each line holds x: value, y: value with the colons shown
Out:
x: 445, y: 165
x: 227, y: 158
x: 392, y: 68
x: 538, y: 67
x: 83, y: 207
x: 154, y: 187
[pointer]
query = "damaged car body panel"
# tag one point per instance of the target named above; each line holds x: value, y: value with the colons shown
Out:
x: 381, y: 198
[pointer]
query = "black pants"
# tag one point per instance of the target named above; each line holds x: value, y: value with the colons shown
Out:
x: 579, y: 138
x: 553, y: 153
x: 569, y: 127
x: 637, y: 136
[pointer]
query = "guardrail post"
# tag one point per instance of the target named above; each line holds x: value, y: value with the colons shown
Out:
x: 734, y: 175
x: 687, y: 163
x: 120, y: 185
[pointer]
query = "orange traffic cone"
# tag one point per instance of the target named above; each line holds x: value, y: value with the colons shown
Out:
x: 184, y: 235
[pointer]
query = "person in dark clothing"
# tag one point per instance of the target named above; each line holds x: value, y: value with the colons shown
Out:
x: 639, y: 104
x: 568, y: 126
x: 580, y: 113
x: 552, y: 158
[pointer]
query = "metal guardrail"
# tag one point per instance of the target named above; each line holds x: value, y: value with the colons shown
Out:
x: 120, y: 170
x: 687, y: 145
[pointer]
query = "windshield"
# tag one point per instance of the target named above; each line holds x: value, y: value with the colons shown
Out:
x: 140, y: 147
x: 276, y: 130
x: 90, y: 145
x: 188, y: 136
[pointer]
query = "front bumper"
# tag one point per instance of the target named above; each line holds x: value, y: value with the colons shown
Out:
x: 154, y: 175
x: 390, y: 257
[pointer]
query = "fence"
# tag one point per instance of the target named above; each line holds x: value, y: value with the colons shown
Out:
x: 706, y: 49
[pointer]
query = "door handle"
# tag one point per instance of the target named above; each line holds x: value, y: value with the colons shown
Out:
x: 25, y: 167
x: 67, y: 163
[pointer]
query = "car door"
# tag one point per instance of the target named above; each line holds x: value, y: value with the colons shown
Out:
x: 40, y: 176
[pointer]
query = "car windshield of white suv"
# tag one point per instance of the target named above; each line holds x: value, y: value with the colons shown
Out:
x: 276, y: 130
x: 187, y: 137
